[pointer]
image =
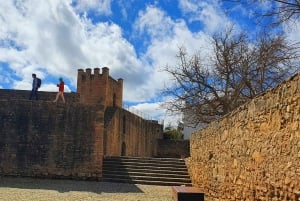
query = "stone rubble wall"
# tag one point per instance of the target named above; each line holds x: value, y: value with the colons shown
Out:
x: 252, y: 153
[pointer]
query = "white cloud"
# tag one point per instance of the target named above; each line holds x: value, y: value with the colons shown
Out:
x: 166, y: 36
x: 156, y: 112
x: 101, y: 7
x: 52, y: 40
x: 154, y: 22
x: 147, y: 110
x: 189, y: 6
x: 42, y: 33
x: 292, y: 30
x: 207, y: 12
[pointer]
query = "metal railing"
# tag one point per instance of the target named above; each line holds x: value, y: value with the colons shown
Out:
x: 141, y: 114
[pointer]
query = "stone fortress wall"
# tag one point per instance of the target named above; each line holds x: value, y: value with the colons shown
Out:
x: 44, y: 139
x: 252, y: 153
x: 126, y: 134
x: 56, y: 140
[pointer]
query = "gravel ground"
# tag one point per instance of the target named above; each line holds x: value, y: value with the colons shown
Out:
x: 24, y: 189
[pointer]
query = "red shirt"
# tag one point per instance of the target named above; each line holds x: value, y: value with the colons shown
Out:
x: 61, y: 86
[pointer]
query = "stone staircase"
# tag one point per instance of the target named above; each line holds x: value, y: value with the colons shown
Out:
x: 150, y: 171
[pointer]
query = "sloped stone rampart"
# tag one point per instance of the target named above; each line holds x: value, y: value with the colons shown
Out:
x: 173, y: 148
x: 252, y: 153
x: 127, y: 134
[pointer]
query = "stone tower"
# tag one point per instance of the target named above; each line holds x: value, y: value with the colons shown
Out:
x: 99, y: 88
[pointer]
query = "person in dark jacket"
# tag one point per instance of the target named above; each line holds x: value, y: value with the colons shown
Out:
x: 34, y: 91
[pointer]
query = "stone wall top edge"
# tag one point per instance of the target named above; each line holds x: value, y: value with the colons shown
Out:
x: 112, y: 79
x: 28, y: 91
x: 94, y: 107
x: 138, y: 117
x: 246, y: 105
x: 96, y: 69
x: 287, y: 80
x: 97, y: 72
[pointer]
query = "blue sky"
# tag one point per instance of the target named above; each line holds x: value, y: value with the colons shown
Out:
x: 136, y: 39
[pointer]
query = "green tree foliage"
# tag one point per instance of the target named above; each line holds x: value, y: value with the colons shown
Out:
x: 171, y: 133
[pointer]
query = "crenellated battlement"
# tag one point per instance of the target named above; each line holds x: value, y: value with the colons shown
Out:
x: 99, y: 88
x: 97, y: 74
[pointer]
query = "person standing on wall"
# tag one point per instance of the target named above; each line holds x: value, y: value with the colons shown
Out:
x: 60, y: 93
x: 35, y: 87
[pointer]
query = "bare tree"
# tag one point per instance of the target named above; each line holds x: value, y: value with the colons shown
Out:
x: 281, y: 11
x: 239, y: 70
x: 286, y: 10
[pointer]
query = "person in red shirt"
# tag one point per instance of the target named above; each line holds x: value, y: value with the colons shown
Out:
x: 60, y: 92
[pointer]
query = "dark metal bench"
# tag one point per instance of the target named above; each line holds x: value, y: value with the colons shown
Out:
x: 184, y: 193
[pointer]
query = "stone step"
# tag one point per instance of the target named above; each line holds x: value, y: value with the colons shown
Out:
x: 163, y: 162
x: 137, y: 164
x: 127, y: 158
x: 146, y: 182
x: 155, y: 171
x: 147, y: 170
x: 150, y: 173
x: 148, y: 177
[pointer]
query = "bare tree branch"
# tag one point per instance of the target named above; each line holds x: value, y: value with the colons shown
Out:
x: 281, y: 11
x: 241, y: 69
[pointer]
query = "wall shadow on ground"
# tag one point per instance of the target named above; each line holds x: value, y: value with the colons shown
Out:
x: 65, y: 185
